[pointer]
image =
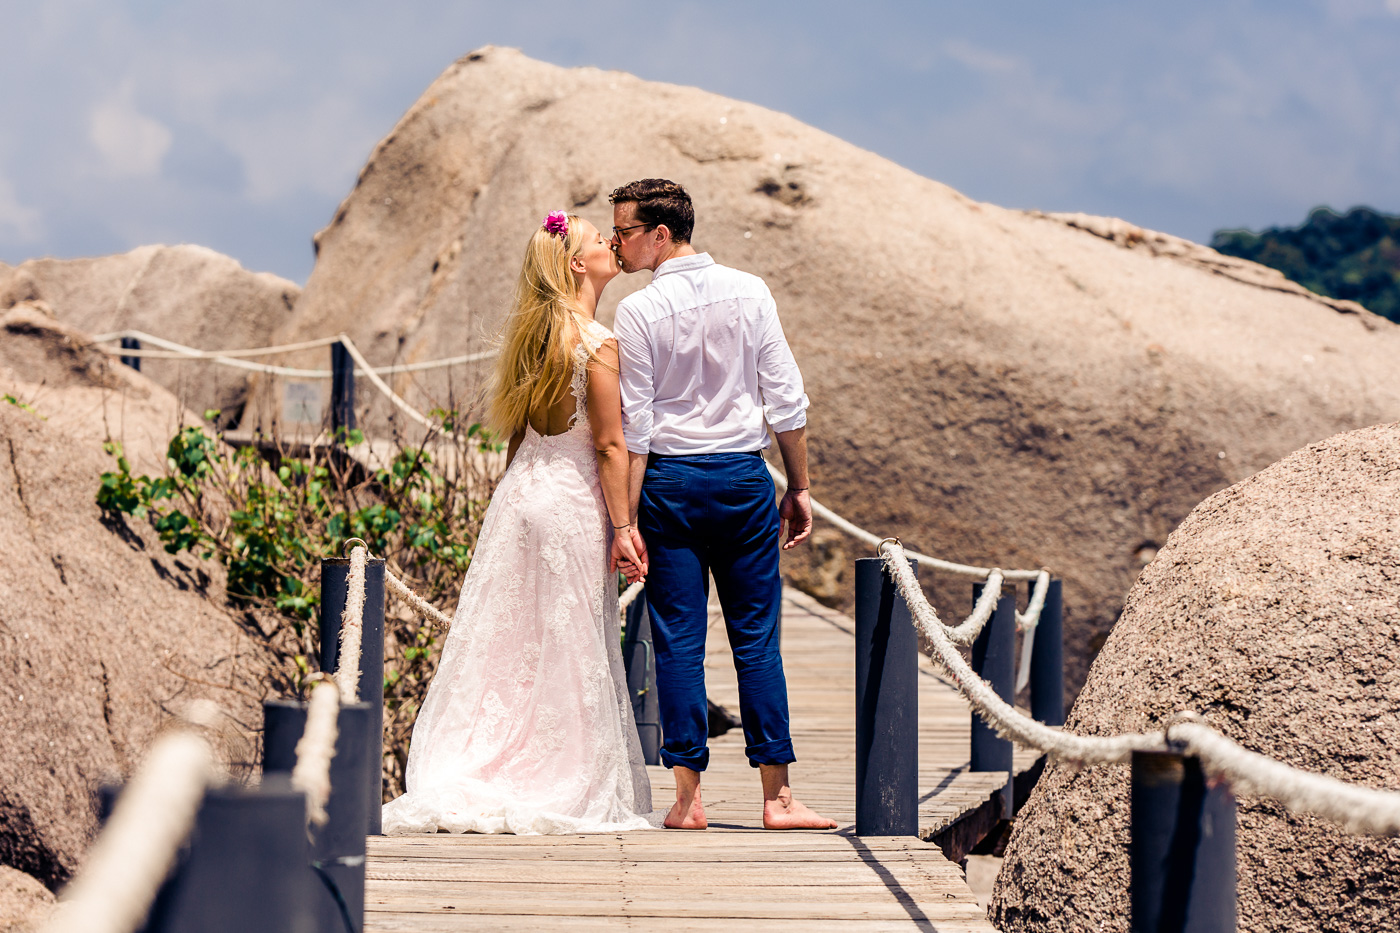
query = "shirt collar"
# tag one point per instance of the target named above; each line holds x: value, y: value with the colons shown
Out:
x: 682, y: 264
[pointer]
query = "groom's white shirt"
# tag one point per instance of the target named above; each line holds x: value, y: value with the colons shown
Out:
x: 704, y: 362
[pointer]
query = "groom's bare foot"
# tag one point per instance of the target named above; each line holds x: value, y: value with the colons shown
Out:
x: 793, y: 814
x: 688, y: 812
x: 780, y: 810
x: 686, y: 817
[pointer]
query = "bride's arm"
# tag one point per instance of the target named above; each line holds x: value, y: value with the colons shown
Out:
x: 515, y: 440
x: 605, y: 420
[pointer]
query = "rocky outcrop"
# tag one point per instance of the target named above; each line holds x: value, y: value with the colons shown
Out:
x: 103, y: 636
x: 1272, y: 611
x: 998, y: 387
x: 24, y: 903
x: 188, y: 294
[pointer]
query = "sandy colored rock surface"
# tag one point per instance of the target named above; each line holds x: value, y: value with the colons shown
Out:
x: 24, y: 902
x: 994, y: 386
x: 1272, y: 611
x: 189, y: 294
x: 103, y: 636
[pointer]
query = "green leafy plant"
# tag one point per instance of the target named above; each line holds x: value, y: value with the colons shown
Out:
x: 22, y: 406
x: 270, y: 515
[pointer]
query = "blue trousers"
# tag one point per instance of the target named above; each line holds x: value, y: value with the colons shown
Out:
x: 714, y: 514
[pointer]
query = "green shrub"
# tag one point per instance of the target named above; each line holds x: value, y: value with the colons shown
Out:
x: 270, y: 517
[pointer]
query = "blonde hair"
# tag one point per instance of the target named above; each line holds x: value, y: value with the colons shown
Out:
x: 535, y: 366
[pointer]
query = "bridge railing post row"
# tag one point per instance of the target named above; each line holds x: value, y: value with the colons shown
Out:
x: 1182, y: 847
x: 887, y: 706
x: 338, y: 846
x: 335, y: 579
x: 131, y: 343
x: 1048, y: 659
x: 994, y: 660
x: 640, y: 660
x: 342, y: 393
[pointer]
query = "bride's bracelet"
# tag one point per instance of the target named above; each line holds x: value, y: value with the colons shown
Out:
x: 798, y: 488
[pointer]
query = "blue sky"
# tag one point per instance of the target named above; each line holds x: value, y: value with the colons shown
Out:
x: 240, y: 126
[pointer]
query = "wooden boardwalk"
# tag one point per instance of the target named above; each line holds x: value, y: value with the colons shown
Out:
x: 735, y: 875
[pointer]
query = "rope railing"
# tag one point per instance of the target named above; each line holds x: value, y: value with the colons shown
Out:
x: 1356, y: 809
x: 134, y: 853
x: 316, y: 748
x: 347, y: 673
x: 170, y: 350
x: 996, y: 712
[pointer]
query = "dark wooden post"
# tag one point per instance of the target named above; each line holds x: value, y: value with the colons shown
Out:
x: 342, y: 392
x: 247, y: 865
x: 1182, y: 850
x: 887, y: 706
x: 131, y: 343
x: 1048, y: 660
x: 335, y: 581
x: 640, y: 660
x: 994, y: 660
x: 338, y: 847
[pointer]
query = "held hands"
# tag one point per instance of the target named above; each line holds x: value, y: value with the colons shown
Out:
x: 796, y: 513
x: 629, y: 554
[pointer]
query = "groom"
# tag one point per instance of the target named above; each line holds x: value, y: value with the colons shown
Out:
x: 706, y: 371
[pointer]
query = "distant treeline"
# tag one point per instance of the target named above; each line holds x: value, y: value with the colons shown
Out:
x: 1355, y: 255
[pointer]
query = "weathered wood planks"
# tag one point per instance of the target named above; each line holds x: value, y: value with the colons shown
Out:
x: 735, y: 873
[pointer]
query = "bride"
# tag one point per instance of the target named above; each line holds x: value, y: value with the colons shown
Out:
x: 527, y: 726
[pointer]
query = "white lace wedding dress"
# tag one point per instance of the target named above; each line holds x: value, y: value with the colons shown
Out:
x: 527, y: 726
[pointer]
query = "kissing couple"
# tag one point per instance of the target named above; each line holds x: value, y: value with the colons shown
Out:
x: 640, y: 452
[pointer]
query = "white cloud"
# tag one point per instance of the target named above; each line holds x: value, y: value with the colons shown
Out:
x: 980, y: 59
x: 17, y: 221
x: 131, y: 142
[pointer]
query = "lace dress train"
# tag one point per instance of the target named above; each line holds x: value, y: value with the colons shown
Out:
x: 527, y: 726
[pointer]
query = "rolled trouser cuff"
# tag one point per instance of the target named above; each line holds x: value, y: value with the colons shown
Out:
x: 696, y: 759
x: 774, y: 752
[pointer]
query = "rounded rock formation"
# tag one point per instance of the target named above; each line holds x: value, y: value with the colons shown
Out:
x: 1272, y: 611
x: 191, y: 295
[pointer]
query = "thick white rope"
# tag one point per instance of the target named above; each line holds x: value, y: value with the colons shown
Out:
x: 1027, y: 622
x: 210, y: 354
x: 352, y: 626
x: 424, y: 608
x: 933, y: 563
x: 997, y: 713
x: 133, y: 854
x: 176, y: 351
x: 312, y: 773
x: 389, y: 393
x: 1356, y: 809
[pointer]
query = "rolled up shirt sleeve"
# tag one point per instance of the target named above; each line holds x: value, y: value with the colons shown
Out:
x: 779, y: 380
x: 636, y: 380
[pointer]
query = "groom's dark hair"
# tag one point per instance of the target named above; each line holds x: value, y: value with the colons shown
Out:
x: 659, y: 201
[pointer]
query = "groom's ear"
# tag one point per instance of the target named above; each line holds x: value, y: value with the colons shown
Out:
x: 663, y: 233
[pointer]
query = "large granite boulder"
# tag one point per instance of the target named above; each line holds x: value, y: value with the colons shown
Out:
x: 1273, y: 612
x: 995, y: 386
x: 103, y: 636
x: 189, y: 294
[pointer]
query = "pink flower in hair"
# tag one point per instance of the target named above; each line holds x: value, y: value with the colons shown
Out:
x: 557, y: 224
